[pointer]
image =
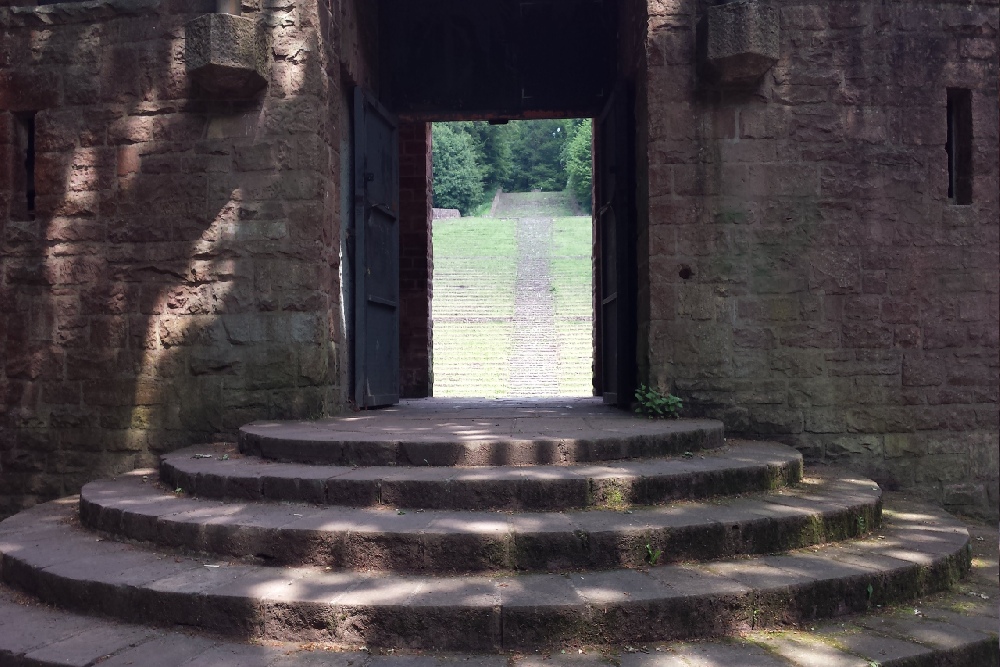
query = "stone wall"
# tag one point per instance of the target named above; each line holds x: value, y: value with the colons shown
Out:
x: 809, y: 279
x: 179, y: 275
x: 802, y: 272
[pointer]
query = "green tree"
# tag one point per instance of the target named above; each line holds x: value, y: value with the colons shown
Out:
x: 576, y: 156
x: 493, y: 151
x: 458, y: 177
x: 537, y: 148
x: 473, y: 158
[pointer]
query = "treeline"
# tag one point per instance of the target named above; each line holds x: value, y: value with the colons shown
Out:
x: 473, y: 158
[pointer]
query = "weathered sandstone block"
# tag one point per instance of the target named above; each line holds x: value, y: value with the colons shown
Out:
x: 743, y: 40
x: 226, y: 54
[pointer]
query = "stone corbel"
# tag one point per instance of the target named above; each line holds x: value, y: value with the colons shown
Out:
x: 743, y: 40
x: 226, y: 53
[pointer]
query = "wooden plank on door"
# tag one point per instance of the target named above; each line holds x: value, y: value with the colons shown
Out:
x: 376, y: 247
x: 614, y: 137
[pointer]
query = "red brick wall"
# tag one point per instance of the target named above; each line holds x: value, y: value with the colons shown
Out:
x: 180, y: 276
x: 837, y: 300
x: 416, y: 259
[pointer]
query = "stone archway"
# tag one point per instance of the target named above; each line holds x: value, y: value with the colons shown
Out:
x: 444, y: 60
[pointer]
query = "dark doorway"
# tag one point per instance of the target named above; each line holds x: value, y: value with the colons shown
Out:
x: 455, y: 59
x: 500, y: 60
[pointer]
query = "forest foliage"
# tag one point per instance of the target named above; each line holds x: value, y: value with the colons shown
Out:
x: 473, y: 158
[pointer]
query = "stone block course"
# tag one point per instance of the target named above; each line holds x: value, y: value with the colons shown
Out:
x: 813, y: 214
x: 893, y: 269
x: 131, y: 257
x: 918, y: 553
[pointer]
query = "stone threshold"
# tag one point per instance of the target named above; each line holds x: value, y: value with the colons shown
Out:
x: 479, y: 432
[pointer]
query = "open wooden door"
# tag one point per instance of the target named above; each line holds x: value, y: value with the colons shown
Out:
x: 614, y: 189
x: 376, y: 254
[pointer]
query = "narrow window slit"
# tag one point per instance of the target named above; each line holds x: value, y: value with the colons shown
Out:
x: 959, y: 145
x: 26, y: 146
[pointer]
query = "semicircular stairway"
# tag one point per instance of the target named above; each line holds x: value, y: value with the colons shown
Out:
x: 484, y: 528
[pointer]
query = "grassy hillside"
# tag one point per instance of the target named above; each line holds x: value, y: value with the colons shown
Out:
x: 475, y: 276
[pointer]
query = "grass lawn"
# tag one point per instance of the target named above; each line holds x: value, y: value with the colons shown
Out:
x: 475, y: 237
x: 575, y: 357
x: 534, y: 204
x: 472, y: 359
x: 571, y: 266
x: 572, y: 283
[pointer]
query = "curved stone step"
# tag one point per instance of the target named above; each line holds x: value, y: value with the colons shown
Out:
x: 920, y: 550
x: 218, y: 471
x: 479, y: 433
x: 44, y: 637
x: 50, y: 638
x: 958, y: 627
x: 825, y: 508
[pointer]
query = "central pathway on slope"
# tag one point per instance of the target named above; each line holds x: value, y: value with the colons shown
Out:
x: 534, y: 364
x: 512, y: 301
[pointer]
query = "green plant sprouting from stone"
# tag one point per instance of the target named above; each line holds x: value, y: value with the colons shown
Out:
x: 654, y: 403
x: 614, y: 497
x: 653, y: 555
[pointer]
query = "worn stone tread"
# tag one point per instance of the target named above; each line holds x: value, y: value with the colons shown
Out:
x: 217, y: 471
x: 918, y: 551
x: 45, y: 637
x: 825, y: 508
x: 479, y: 433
